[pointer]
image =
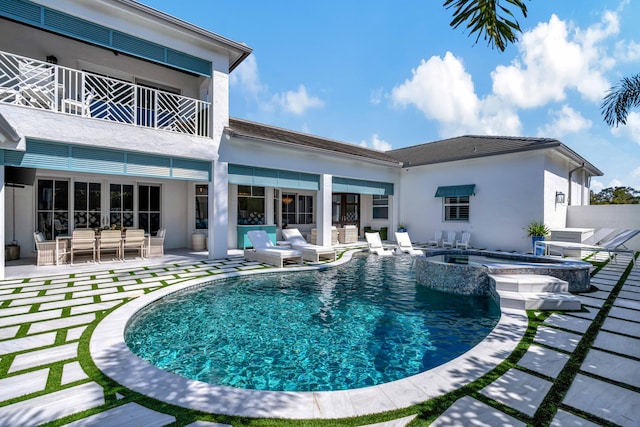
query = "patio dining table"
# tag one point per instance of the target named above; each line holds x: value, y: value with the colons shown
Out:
x: 66, y: 246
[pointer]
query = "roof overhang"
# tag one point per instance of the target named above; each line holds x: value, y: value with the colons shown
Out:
x: 233, y: 133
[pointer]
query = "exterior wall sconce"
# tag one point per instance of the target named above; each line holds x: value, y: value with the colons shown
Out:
x: 559, y: 197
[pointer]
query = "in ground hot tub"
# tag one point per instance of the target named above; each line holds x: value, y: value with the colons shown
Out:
x: 465, y: 271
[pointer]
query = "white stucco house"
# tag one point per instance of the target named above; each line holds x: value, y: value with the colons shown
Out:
x: 114, y: 113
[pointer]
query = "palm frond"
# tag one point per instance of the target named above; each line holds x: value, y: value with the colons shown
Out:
x: 620, y: 99
x: 484, y: 19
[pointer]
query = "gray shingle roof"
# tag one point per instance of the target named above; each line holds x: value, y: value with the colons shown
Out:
x: 474, y: 146
x: 273, y: 134
x: 447, y: 150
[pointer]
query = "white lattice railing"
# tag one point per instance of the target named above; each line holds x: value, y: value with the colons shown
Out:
x: 31, y: 83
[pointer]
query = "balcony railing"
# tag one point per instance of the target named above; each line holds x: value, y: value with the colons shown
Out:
x: 32, y: 83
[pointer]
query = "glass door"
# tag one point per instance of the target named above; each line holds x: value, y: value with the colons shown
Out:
x: 52, y: 213
x: 345, y: 209
x: 121, y: 213
x: 87, y: 205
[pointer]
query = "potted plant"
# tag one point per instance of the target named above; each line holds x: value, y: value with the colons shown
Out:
x: 402, y: 228
x: 537, y: 230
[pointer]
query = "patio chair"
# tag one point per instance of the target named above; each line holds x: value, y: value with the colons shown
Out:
x: 404, y: 244
x: 133, y: 239
x: 83, y: 240
x: 264, y: 250
x: 437, y: 238
x: 156, y: 244
x: 313, y: 253
x: 463, y: 243
x: 110, y: 240
x: 46, y: 249
x: 375, y: 244
x: 80, y: 107
x: 450, y: 240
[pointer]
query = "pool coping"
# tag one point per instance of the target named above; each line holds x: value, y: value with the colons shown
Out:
x: 112, y: 356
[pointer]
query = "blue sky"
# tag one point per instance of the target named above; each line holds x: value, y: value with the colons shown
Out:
x: 393, y: 74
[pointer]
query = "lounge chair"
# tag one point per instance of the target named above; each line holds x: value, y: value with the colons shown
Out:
x: 264, y: 250
x: 375, y: 244
x: 437, y: 237
x: 404, y: 244
x: 313, y: 253
x: 450, y: 240
x: 464, y: 240
x: 612, y: 244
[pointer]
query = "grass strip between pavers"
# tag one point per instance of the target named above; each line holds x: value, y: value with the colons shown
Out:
x: 427, y: 411
x: 547, y: 410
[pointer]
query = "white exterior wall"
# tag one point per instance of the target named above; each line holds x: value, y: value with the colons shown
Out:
x: 555, y: 180
x: 509, y: 191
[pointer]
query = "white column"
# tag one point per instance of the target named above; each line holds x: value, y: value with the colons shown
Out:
x: 218, y: 93
x: 2, y: 209
x: 218, y: 210
x: 323, y: 217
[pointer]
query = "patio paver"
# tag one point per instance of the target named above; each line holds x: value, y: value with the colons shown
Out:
x: 610, y: 402
x: 469, y: 411
x: 516, y: 389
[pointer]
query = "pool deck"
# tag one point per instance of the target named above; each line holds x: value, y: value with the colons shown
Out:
x: 49, y: 316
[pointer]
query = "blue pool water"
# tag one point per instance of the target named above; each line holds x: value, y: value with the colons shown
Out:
x: 365, y: 323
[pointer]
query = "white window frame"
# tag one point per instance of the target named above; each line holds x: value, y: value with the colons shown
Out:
x: 456, y: 205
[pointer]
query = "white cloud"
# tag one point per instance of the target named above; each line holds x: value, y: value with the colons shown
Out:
x: 565, y: 120
x: 615, y: 183
x: 631, y: 130
x: 596, y: 186
x: 553, y: 60
x: 627, y: 51
x: 376, y: 143
x: 297, y: 102
x: 443, y: 90
x: 247, y: 78
x: 376, y: 96
x: 636, y: 172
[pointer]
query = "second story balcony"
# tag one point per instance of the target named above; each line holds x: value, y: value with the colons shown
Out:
x: 30, y: 83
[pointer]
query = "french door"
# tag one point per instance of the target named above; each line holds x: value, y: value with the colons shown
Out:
x: 62, y: 203
x: 96, y: 208
x: 345, y: 209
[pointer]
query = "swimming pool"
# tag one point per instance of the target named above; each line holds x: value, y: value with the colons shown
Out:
x: 359, y: 325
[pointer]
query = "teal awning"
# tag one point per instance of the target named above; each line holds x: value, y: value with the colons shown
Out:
x: 360, y: 186
x: 456, y: 190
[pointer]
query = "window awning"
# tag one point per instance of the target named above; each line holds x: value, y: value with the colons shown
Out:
x: 456, y: 190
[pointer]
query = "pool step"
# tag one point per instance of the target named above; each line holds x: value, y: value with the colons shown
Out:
x: 534, y: 292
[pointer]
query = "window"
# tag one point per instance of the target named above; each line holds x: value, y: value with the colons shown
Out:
x: 380, y: 207
x: 202, y: 207
x: 456, y: 208
x: 305, y: 209
x: 86, y: 205
x: 250, y: 205
x: 121, y: 205
x: 52, y: 213
x: 297, y: 209
x: 149, y: 208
